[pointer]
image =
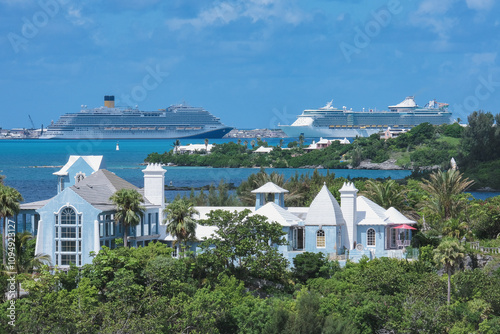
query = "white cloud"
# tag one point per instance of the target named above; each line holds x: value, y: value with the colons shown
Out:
x: 485, y: 58
x: 432, y: 15
x: 74, y: 15
x: 226, y: 12
x: 434, y: 7
x: 480, y: 4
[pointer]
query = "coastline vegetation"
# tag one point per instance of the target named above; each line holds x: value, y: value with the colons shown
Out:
x: 425, y: 147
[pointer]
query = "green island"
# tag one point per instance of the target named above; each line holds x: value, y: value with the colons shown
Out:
x: 424, y: 147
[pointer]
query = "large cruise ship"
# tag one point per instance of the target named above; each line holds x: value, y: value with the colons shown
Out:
x: 339, y: 123
x: 109, y: 122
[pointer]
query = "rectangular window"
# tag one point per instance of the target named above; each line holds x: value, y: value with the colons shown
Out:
x: 320, y: 239
x: 80, y: 219
x: 299, y: 238
x: 68, y: 246
x: 57, y: 232
x: 101, y: 229
x: 57, y: 219
x: 80, y: 259
x: 106, y: 229
x: 80, y: 232
x: 80, y: 246
x: 68, y: 232
x: 57, y: 246
x: 155, y: 228
x: 66, y: 259
x: 112, y: 228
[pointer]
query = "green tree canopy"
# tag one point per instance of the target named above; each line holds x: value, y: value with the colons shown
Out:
x: 129, y: 210
x: 243, y: 245
x: 449, y: 255
x: 444, y: 189
x: 180, y: 221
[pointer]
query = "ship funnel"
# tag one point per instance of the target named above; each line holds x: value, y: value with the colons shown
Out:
x: 109, y: 101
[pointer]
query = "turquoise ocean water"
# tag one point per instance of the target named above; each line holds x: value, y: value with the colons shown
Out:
x: 28, y: 164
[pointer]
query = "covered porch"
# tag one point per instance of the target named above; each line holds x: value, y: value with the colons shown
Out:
x: 398, y: 236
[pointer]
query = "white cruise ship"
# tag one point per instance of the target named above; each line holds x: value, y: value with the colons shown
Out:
x: 109, y: 122
x: 334, y: 122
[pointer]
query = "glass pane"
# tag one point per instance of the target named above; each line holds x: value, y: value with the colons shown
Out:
x: 68, y: 216
x: 68, y: 246
x: 68, y: 232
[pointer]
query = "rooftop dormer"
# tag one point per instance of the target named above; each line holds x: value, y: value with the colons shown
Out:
x: 266, y: 192
x: 76, y: 169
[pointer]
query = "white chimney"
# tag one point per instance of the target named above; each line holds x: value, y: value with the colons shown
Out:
x: 154, y: 184
x: 348, y: 195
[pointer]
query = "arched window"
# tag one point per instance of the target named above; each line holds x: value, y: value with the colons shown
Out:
x: 370, y: 237
x: 68, y: 217
x: 320, y: 239
x: 68, y: 234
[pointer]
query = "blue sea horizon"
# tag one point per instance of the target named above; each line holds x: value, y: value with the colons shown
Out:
x: 28, y: 164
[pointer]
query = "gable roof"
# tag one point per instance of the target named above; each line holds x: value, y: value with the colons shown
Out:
x: 370, y: 213
x: 269, y: 187
x: 276, y: 213
x: 397, y: 217
x: 94, y: 161
x: 324, y: 209
x: 97, y: 188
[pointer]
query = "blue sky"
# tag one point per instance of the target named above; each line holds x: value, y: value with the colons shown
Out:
x: 253, y: 63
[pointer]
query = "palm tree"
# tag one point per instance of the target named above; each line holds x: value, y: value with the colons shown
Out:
x: 239, y: 141
x: 129, y: 210
x: 443, y: 188
x: 180, y: 222
x: 246, y: 144
x: 386, y: 194
x: 449, y: 254
x: 9, y: 206
x: 26, y: 261
x: 176, y: 145
x: 252, y: 143
x: 206, y: 145
x: 281, y: 142
x: 301, y: 140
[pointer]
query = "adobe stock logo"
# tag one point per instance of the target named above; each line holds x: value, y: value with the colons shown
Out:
x: 485, y: 88
x: 150, y: 82
x: 31, y: 26
x: 381, y: 18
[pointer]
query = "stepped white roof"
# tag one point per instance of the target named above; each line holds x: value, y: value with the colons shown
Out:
x: 263, y: 149
x: 397, y: 217
x: 94, y: 161
x: 276, y: 213
x: 268, y: 188
x: 370, y: 213
x: 324, y: 209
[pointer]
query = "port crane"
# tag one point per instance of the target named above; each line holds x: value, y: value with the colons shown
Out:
x: 32, y: 124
